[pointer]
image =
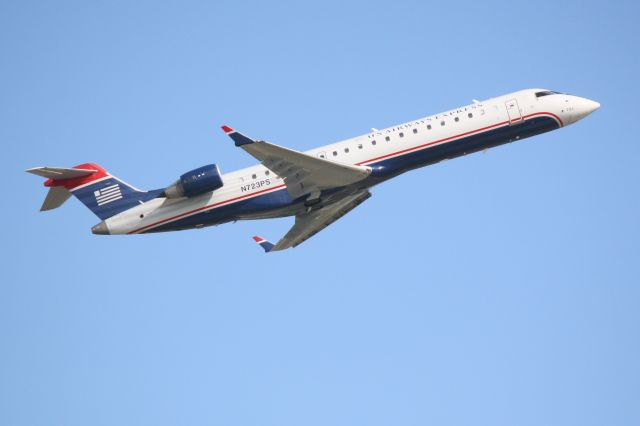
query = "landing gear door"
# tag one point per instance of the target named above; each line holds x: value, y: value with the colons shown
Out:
x: 515, y: 116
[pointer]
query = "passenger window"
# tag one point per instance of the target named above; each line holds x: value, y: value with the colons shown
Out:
x: 253, y: 176
x: 401, y: 135
x: 335, y: 153
x: 346, y: 150
x: 428, y: 126
x: 470, y: 115
x: 359, y: 146
x: 457, y: 119
x: 442, y: 123
x: 266, y: 172
x: 415, y: 131
x: 387, y: 138
x: 373, y: 142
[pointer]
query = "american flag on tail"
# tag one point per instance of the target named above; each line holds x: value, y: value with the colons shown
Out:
x: 108, y: 194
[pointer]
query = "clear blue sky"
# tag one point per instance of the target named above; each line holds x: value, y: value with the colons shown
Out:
x: 497, y: 289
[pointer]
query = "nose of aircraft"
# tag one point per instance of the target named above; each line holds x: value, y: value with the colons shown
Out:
x: 584, y: 107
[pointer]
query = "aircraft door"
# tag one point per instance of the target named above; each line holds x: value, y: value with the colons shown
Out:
x: 513, y: 109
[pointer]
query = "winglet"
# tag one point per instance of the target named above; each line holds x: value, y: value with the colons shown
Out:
x: 266, y: 245
x: 237, y: 137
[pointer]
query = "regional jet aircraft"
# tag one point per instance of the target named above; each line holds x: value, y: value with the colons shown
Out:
x: 317, y: 186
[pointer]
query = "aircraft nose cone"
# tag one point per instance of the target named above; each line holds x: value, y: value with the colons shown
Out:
x: 585, y: 107
x: 100, y: 229
x: 590, y: 106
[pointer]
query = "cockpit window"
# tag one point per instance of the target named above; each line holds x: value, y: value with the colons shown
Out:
x: 546, y: 93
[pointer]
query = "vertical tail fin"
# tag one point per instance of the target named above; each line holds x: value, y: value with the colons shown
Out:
x: 105, y: 195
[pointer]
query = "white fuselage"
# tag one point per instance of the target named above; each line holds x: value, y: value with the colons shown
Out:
x: 379, y: 147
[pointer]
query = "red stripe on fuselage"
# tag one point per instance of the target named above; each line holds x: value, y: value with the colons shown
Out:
x: 204, y: 208
x: 545, y: 113
x: 415, y: 148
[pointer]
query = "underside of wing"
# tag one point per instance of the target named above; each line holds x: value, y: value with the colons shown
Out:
x: 309, y: 224
x: 302, y: 173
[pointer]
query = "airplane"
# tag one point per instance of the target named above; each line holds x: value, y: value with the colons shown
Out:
x: 318, y: 186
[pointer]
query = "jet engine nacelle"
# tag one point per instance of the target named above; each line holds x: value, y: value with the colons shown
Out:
x: 196, y: 182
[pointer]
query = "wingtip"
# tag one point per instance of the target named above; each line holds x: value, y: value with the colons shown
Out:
x: 238, y: 138
x: 266, y: 245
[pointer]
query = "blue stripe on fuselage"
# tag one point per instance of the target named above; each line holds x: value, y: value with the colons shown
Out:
x: 391, y: 167
x: 383, y: 170
x: 229, y: 212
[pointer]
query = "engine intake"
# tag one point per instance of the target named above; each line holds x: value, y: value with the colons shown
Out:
x: 196, y: 182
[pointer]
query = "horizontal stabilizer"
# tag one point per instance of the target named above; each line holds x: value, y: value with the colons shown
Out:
x: 102, y: 193
x: 60, y: 172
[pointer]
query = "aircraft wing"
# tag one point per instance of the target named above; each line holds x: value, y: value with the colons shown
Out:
x: 309, y: 224
x: 302, y: 173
